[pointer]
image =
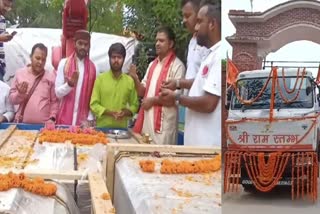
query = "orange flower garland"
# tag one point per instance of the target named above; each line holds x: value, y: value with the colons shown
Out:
x: 105, y: 196
x: 266, y: 175
x: 184, y: 167
x: 232, y: 171
x: 283, y: 97
x: 253, y: 100
x: 35, y: 186
x: 62, y: 135
x: 295, y: 84
x: 147, y: 165
x: 305, y: 178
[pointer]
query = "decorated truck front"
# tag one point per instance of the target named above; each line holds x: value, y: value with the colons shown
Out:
x: 272, y: 132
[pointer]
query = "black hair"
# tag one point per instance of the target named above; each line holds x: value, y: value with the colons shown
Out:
x: 168, y: 31
x: 117, y: 48
x: 214, y: 10
x: 41, y: 46
x: 195, y: 3
x: 213, y: 2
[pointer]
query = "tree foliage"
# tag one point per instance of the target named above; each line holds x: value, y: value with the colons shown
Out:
x: 145, y: 16
x: 110, y: 16
x: 36, y: 13
x: 48, y: 14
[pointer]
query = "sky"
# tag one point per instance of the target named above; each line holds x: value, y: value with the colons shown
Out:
x: 295, y: 51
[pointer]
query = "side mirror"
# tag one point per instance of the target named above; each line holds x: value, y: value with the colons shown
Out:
x: 308, y: 90
x: 318, y: 95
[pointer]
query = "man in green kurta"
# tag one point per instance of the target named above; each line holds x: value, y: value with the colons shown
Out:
x: 114, y: 98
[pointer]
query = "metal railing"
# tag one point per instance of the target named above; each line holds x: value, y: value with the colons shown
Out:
x: 291, y: 64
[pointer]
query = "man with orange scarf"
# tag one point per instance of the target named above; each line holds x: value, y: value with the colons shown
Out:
x: 74, y: 83
x: 155, y: 119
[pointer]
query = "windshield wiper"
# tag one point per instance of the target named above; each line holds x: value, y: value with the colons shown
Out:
x: 243, y: 108
x: 310, y: 112
x: 253, y: 106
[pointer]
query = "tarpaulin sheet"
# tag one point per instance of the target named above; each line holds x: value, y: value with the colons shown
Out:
x: 139, y: 192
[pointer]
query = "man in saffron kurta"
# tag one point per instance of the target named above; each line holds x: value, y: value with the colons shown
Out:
x: 74, y: 83
x: 114, y: 97
x: 33, y: 90
x: 156, y: 119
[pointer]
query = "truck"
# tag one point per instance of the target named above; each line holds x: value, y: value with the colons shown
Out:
x: 272, y: 132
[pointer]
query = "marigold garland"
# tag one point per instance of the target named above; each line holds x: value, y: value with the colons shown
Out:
x: 78, y: 136
x: 265, y: 174
x: 35, y: 186
x: 147, y: 165
x: 232, y: 171
x: 283, y: 97
x: 184, y: 167
x: 105, y: 196
x: 275, y: 81
x: 295, y: 84
x: 253, y: 100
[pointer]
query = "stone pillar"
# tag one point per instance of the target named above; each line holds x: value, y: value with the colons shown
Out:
x: 245, y: 56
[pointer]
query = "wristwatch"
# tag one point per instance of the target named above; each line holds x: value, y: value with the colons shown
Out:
x: 178, y: 95
x: 178, y: 84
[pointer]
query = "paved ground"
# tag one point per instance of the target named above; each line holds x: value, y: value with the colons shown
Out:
x: 277, y: 202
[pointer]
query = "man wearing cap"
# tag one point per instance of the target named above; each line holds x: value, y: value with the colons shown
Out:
x: 74, y: 83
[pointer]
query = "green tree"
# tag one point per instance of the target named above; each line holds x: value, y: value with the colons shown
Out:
x: 110, y: 16
x: 36, y: 13
x: 105, y: 15
x: 144, y: 16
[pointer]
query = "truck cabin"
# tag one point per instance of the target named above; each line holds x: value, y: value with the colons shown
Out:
x: 250, y: 84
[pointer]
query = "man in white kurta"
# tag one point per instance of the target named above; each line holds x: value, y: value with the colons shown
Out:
x: 62, y: 87
x: 72, y: 87
x: 168, y: 135
x: 6, y: 108
x: 155, y: 118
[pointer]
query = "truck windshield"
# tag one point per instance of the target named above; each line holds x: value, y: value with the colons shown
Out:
x: 250, y: 88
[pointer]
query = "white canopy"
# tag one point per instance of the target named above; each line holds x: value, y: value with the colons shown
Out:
x: 19, y: 48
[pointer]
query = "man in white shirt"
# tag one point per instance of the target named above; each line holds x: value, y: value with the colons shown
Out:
x: 74, y: 83
x: 196, y: 53
x: 6, y: 108
x: 203, y: 116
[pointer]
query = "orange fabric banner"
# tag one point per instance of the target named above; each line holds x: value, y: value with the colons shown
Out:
x: 232, y: 72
